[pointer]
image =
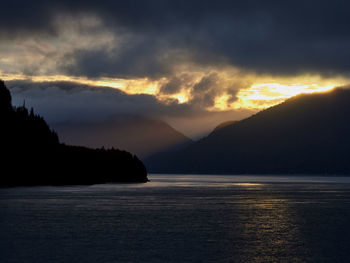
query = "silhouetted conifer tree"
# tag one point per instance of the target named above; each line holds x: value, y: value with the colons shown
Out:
x: 5, y: 99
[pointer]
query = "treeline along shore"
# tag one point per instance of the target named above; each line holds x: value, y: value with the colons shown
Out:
x: 31, y: 154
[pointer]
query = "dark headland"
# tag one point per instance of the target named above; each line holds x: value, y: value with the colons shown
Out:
x: 307, y: 134
x: 31, y: 154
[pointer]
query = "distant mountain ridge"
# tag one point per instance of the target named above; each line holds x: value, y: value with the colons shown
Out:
x: 307, y: 134
x: 138, y: 134
x: 223, y: 125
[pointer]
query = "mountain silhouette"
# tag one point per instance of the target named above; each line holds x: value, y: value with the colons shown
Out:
x: 140, y: 135
x: 31, y: 154
x: 307, y: 134
x: 223, y: 125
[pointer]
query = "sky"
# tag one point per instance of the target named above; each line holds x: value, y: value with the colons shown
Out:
x: 192, y: 63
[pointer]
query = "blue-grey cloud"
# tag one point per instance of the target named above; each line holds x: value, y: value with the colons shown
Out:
x: 69, y: 101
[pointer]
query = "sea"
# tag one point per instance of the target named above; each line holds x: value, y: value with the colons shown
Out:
x: 180, y: 218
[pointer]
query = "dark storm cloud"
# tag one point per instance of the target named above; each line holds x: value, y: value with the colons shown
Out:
x: 276, y: 37
x: 175, y: 84
x: 206, y: 90
x: 232, y: 95
x: 135, y: 61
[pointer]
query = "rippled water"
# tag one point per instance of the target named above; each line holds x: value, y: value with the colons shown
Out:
x: 180, y: 219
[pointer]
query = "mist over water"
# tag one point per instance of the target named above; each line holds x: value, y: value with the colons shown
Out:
x: 180, y: 219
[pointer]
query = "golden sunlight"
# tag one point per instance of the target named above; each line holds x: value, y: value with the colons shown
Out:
x: 182, y: 98
x: 261, y: 93
x: 221, y: 103
x: 265, y: 95
x: 133, y: 86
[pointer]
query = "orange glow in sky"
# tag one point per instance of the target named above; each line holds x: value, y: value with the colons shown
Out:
x: 265, y: 95
x: 255, y: 97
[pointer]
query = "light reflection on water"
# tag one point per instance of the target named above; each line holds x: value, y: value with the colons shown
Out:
x: 180, y: 219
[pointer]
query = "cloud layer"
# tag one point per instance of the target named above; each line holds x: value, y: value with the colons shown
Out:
x: 152, y: 38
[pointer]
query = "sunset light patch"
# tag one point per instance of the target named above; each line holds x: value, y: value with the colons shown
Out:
x: 221, y: 103
x: 182, y: 98
x: 265, y: 95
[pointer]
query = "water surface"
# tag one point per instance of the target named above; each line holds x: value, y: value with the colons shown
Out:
x: 180, y: 219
